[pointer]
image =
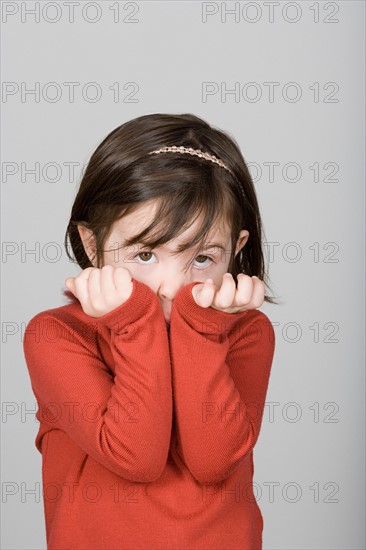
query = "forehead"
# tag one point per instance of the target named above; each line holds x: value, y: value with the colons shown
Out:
x: 134, y: 222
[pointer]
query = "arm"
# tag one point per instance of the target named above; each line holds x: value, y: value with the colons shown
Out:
x: 220, y: 382
x: 122, y: 422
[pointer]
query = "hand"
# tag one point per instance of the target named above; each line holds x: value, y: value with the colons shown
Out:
x: 101, y: 290
x: 248, y: 295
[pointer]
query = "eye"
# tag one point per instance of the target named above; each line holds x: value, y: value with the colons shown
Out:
x: 202, y: 263
x: 143, y: 253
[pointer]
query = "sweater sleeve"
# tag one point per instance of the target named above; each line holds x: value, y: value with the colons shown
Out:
x: 221, y: 365
x: 122, y: 421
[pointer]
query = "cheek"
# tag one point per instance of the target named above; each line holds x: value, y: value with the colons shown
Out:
x: 215, y: 272
x: 222, y: 268
x: 142, y: 274
x: 138, y: 272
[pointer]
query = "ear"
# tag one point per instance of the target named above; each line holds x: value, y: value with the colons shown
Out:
x: 242, y: 240
x: 88, y: 240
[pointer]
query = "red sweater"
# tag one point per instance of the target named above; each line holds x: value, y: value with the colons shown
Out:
x: 146, y: 434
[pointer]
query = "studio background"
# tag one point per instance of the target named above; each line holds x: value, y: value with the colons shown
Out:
x: 287, y: 81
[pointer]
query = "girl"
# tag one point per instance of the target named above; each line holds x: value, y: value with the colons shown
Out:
x: 151, y: 382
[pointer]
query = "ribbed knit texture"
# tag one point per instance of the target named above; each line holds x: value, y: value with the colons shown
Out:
x: 146, y: 435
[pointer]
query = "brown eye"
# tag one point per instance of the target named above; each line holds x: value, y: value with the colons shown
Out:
x: 205, y: 259
x: 144, y: 256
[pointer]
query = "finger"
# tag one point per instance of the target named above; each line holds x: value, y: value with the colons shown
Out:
x: 258, y: 292
x: 204, y: 293
x: 86, y: 273
x: 69, y: 283
x: 81, y: 287
x: 245, y: 290
x: 225, y: 296
x: 122, y: 279
x: 94, y: 287
x: 107, y: 285
x: 253, y: 296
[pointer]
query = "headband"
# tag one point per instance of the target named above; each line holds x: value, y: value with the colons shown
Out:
x: 189, y: 150
x: 198, y: 153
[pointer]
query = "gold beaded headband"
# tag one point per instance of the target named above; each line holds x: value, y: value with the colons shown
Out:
x: 198, y: 153
x: 191, y: 151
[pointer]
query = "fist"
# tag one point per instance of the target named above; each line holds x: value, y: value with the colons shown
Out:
x: 228, y: 298
x: 101, y: 290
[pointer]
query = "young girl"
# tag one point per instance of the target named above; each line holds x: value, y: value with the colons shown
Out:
x: 151, y: 382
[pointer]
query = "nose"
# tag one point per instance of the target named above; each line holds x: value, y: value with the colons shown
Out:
x: 166, y: 293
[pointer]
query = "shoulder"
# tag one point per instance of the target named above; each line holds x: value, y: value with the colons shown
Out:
x: 254, y: 326
x: 256, y: 316
x: 67, y: 322
x: 67, y: 312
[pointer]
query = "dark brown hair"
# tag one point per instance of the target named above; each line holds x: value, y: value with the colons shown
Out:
x: 121, y: 175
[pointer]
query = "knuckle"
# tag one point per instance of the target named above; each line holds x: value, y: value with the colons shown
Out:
x: 97, y: 305
x: 122, y: 274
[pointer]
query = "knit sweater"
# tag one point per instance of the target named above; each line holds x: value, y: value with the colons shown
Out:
x: 147, y: 433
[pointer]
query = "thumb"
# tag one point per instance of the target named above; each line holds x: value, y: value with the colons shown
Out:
x: 203, y: 293
x: 69, y: 283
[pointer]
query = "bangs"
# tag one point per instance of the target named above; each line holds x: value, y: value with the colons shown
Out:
x: 185, y: 200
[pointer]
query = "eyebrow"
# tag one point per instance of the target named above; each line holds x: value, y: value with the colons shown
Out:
x: 205, y: 247
x: 214, y: 245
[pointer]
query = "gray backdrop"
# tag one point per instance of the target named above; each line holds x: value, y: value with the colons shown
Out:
x: 287, y: 80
